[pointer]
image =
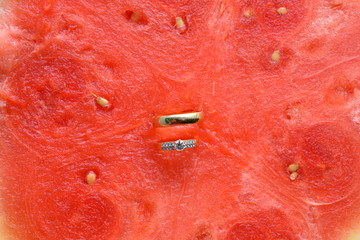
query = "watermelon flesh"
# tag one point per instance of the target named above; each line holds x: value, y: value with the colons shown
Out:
x: 277, y: 80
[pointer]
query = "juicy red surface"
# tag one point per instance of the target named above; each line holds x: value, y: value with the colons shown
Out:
x: 260, y: 116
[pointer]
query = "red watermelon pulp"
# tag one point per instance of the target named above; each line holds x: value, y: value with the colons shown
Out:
x: 278, y: 151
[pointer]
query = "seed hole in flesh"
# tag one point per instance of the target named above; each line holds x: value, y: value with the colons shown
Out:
x: 336, y: 6
x: 294, y: 112
x: 340, y: 91
x: 344, y: 91
x: 203, y: 233
x: 245, y: 231
x: 314, y: 45
x: 136, y: 17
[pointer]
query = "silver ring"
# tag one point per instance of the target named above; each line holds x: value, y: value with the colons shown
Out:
x: 178, y: 145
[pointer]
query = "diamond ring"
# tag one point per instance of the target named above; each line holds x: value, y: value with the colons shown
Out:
x: 178, y: 145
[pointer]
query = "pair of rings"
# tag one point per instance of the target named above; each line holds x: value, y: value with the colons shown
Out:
x: 179, y: 119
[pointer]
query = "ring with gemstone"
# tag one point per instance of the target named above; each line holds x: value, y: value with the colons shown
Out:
x: 178, y: 145
x: 183, y: 118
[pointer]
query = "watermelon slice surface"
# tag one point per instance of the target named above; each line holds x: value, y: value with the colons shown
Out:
x: 278, y: 148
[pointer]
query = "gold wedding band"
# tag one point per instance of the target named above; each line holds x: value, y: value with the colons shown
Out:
x: 184, y: 118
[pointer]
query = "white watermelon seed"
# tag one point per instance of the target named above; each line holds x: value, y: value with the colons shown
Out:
x: 247, y: 13
x: 102, y: 102
x: 180, y: 25
x: 293, y: 167
x: 282, y: 10
x: 91, y: 178
x: 275, y: 56
x: 293, y: 176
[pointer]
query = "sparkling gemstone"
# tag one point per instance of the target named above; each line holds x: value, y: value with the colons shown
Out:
x: 179, y: 145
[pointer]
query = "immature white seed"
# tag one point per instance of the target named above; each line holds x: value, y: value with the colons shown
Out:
x: 293, y: 167
x: 91, y: 178
x: 180, y: 25
x: 247, y: 13
x: 179, y: 22
x: 275, y: 56
x: 135, y: 16
x: 102, y: 102
x: 293, y: 176
x: 282, y: 10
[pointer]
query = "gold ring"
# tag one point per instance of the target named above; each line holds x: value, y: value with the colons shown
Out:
x: 184, y: 118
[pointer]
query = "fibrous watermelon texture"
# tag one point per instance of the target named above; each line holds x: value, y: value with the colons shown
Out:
x: 278, y: 149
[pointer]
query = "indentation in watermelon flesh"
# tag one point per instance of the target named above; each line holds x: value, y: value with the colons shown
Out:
x: 136, y: 16
x: 330, y: 162
x: 270, y: 225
